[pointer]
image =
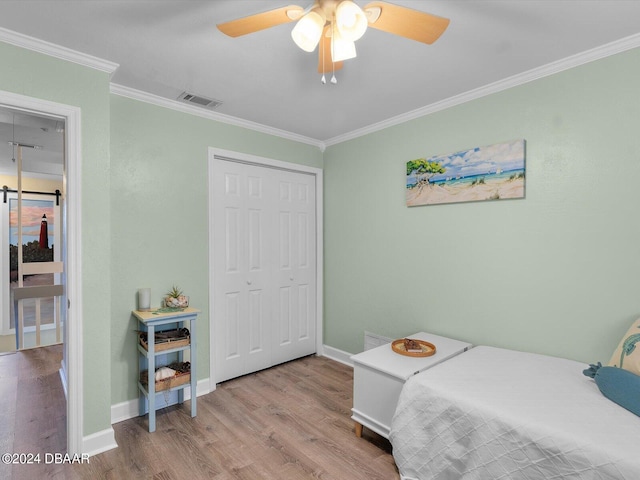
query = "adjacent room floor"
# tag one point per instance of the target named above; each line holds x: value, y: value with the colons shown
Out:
x: 33, y: 412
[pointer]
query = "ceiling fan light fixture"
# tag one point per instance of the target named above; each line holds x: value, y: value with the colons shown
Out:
x: 308, y: 30
x: 342, y: 49
x: 334, y: 26
x: 351, y: 21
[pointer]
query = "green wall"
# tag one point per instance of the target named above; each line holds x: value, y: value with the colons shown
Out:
x: 554, y: 273
x: 144, y: 210
x: 40, y: 76
x: 159, y: 228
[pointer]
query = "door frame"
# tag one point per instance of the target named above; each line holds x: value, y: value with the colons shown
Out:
x: 71, y: 371
x: 229, y: 155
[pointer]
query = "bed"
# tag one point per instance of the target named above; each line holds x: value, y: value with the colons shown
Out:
x: 492, y: 413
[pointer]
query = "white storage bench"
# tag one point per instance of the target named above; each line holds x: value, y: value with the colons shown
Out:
x: 380, y: 373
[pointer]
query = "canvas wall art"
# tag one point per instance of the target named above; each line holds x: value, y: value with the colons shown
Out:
x: 494, y: 172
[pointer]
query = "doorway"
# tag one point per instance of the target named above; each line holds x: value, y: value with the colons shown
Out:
x: 31, y: 178
x: 265, y: 220
x: 67, y: 119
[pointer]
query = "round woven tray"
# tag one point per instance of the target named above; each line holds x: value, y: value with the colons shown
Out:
x: 428, y: 349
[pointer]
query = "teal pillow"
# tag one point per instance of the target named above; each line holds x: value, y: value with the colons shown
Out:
x: 618, y: 385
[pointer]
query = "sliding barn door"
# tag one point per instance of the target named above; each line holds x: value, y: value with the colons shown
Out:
x: 264, y: 267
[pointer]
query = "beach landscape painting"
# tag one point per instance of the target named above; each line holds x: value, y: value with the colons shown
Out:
x: 493, y: 172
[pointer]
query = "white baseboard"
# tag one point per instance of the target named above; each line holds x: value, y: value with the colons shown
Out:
x: 63, y: 379
x: 99, y: 442
x: 105, y: 440
x: 129, y: 409
x: 337, y: 355
x: 124, y: 411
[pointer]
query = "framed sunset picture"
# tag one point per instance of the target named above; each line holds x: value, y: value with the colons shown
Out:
x: 493, y: 172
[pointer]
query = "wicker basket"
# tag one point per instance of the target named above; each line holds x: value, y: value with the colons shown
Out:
x: 182, y: 376
x: 167, y: 339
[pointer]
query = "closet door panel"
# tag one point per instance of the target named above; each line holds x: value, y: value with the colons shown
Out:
x: 264, y: 267
x: 240, y: 305
x: 296, y: 269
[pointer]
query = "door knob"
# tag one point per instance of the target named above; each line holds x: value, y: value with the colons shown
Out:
x: 291, y: 278
x: 248, y: 282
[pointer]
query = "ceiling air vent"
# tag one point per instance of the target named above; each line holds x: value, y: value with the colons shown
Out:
x: 198, y: 100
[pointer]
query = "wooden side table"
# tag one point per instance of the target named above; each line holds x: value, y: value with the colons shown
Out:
x: 149, y: 321
x: 380, y: 373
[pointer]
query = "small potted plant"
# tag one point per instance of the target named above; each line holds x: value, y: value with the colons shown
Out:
x: 176, y: 299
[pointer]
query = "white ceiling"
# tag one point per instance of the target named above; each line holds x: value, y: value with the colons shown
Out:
x: 165, y: 47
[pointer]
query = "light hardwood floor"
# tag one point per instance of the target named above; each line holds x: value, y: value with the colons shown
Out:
x: 288, y: 422
x: 33, y: 412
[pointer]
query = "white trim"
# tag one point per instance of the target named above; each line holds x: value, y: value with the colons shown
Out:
x: 63, y: 379
x: 552, y: 68
x: 99, y: 442
x: 247, y: 157
x: 129, y: 409
x: 57, y: 51
x: 74, y: 320
x: 210, y: 200
x: 64, y: 53
x: 254, y: 159
x: 124, y: 411
x: 338, y: 355
x: 74, y: 341
x: 211, y: 115
x: 320, y: 262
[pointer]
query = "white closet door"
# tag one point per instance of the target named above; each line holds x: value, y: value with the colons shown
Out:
x: 264, y: 267
x: 295, y: 269
x: 242, y: 310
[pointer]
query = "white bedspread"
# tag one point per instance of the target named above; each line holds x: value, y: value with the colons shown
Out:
x: 492, y: 414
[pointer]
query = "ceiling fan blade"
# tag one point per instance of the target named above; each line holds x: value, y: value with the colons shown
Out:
x: 260, y: 21
x: 324, y: 50
x: 406, y: 22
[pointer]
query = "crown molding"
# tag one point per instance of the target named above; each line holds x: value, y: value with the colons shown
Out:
x: 552, y: 68
x: 47, y: 48
x: 57, y: 51
x: 134, y: 94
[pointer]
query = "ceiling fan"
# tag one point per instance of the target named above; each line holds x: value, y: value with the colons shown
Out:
x: 334, y: 25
